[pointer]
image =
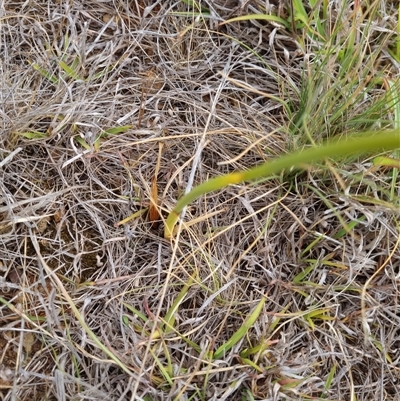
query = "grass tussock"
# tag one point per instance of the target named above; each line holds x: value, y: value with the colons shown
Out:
x: 283, y: 288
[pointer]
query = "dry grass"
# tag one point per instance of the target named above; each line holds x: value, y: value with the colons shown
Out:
x: 91, y: 309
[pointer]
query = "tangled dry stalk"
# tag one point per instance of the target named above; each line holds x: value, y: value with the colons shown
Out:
x: 97, y: 307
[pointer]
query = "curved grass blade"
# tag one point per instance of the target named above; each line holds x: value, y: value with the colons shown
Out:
x: 266, y: 17
x: 241, y: 332
x: 370, y: 141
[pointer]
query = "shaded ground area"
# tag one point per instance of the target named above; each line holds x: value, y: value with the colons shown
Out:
x: 95, y: 303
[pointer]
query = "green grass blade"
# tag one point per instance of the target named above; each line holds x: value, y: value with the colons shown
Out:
x: 33, y: 135
x: 70, y: 71
x: 395, y: 106
x: 136, y: 312
x: 241, y: 332
x: 265, y: 17
x: 116, y: 130
x: 342, y: 232
x: 370, y: 141
x: 43, y: 72
x: 170, y: 316
x: 82, y: 142
x: 395, y: 50
x: 298, y: 279
x: 398, y: 35
x: 195, y: 346
x: 110, y: 132
x: 163, y: 370
x: 329, y: 380
x: 196, y: 6
x: 386, y: 161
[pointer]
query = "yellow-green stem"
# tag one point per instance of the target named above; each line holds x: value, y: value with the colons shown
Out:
x: 367, y: 142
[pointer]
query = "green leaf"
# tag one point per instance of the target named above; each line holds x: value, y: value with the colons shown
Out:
x: 329, y: 380
x: 163, y: 370
x: 196, y: 6
x: 241, y: 332
x: 370, y: 141
x: 341, y: 233
x: 265, y: 17
x: 82, y: 142
x: 110, y: 132
x: 33, y: 134
x: 170, y: 316
x: 302, y: 275
x: 70, y: 71
x: 43, y: 72
x: 116, y: 130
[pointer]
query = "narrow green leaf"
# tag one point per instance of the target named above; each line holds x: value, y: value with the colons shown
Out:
x: 381, y: 349
x: 261, y: 347
x: 66, y: 42
x: 311, y: 245
x: 299, y: 9
x: 370, y: 141
x: 17, y: 311
x: 117, y: 130
x: 386, y: 161
x: 110, y: 132
x: 70, y: 71
x: 136, y: 312
x: 250, y: 363
x: 195, y: 346
x: 196, y: 6
x: 276, y: 319
x: 170, y: 368
x: 100, y: 74
x: 341, y: 233
x: 162, y: 369
x: 329, y: 380
x: 82, y: 142
x: 135, y: 215
x: 169, y: 317
x: 395, y: 105
x: 43, y: 72
x: 33, y: 134
x: 247, y: 395
x: 302, y: 275
x: 241, y: 332
x: 318, y: 314
x: 265, y: 17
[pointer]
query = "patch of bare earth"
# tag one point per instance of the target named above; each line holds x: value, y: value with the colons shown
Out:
x: 75, y: 274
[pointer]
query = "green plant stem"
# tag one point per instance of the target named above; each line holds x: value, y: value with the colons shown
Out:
x: 370, y: 141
